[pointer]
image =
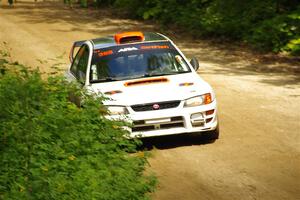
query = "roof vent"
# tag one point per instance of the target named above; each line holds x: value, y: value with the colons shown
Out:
x: 129, y: 37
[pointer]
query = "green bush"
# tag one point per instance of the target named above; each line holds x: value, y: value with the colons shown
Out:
x: 293, y: 46
x: 51, y: 149
x: 84, y: 3
x: 272, y: 25
x: 105, y: 3
x: 279, y: 33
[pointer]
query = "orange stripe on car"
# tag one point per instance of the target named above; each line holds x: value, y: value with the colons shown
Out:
x: 146, y: 81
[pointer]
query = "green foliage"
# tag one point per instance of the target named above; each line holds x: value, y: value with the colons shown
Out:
x: 271, y: 25
x: 279, y: 33
x: 84, y: 3
x: 51, y: 149
x: 102, y: 3
x: 293, y: 46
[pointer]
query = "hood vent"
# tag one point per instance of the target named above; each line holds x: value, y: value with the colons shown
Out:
x: 146, y: 81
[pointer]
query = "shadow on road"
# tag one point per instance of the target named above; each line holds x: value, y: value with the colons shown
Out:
x: 232, y: 60
x: 173, y: 141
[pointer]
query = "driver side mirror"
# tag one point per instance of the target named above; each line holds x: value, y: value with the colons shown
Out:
x: 194, y: 62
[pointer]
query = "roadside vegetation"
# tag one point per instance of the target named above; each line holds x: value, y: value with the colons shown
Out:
x: 52, y: 149
x: 271, y: 25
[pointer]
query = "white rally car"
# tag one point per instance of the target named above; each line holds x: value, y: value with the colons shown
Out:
x: 149, y: 80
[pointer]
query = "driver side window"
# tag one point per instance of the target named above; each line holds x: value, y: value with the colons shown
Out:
x: 80, y: 63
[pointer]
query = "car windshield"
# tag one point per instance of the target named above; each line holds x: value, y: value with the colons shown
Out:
x: 136, y: 61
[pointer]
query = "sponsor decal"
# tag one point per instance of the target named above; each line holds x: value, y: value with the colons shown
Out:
x: 155, y: 47
x: 128, y: 49
x: 186, y: 84
x: 104, y: 53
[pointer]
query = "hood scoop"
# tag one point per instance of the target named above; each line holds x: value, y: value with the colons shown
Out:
x: 146, y: 81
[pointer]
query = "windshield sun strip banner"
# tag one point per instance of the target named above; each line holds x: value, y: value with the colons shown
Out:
x: 121, y: 49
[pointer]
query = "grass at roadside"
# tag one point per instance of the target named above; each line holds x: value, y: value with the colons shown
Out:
x: 51, y: 149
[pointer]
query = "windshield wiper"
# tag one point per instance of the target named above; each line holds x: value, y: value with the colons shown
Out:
x: 107, y: 79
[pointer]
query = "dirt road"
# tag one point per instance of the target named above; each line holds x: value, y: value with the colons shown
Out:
x: 258, y: 154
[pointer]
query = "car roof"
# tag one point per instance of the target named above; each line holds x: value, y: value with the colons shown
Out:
x: 109, y: 41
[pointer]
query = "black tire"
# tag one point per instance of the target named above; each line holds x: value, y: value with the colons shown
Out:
x: 211, y: 135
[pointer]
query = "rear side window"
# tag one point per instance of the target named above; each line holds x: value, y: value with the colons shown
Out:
x: 80, y: 64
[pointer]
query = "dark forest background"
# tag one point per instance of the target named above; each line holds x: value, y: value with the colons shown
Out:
x: 269, y: 25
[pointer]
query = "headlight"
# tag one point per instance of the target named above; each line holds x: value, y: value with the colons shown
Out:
x: 117, y: 110
x: 199, y: 100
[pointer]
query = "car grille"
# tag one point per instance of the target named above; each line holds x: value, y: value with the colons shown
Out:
x: 141, y: 125
x: 149, y: 106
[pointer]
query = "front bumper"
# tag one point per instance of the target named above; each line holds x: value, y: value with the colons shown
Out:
x: 172, y: 121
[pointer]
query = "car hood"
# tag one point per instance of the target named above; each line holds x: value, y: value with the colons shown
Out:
x: 152, y: 89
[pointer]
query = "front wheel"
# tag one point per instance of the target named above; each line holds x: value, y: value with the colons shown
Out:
x: 211, y: 135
